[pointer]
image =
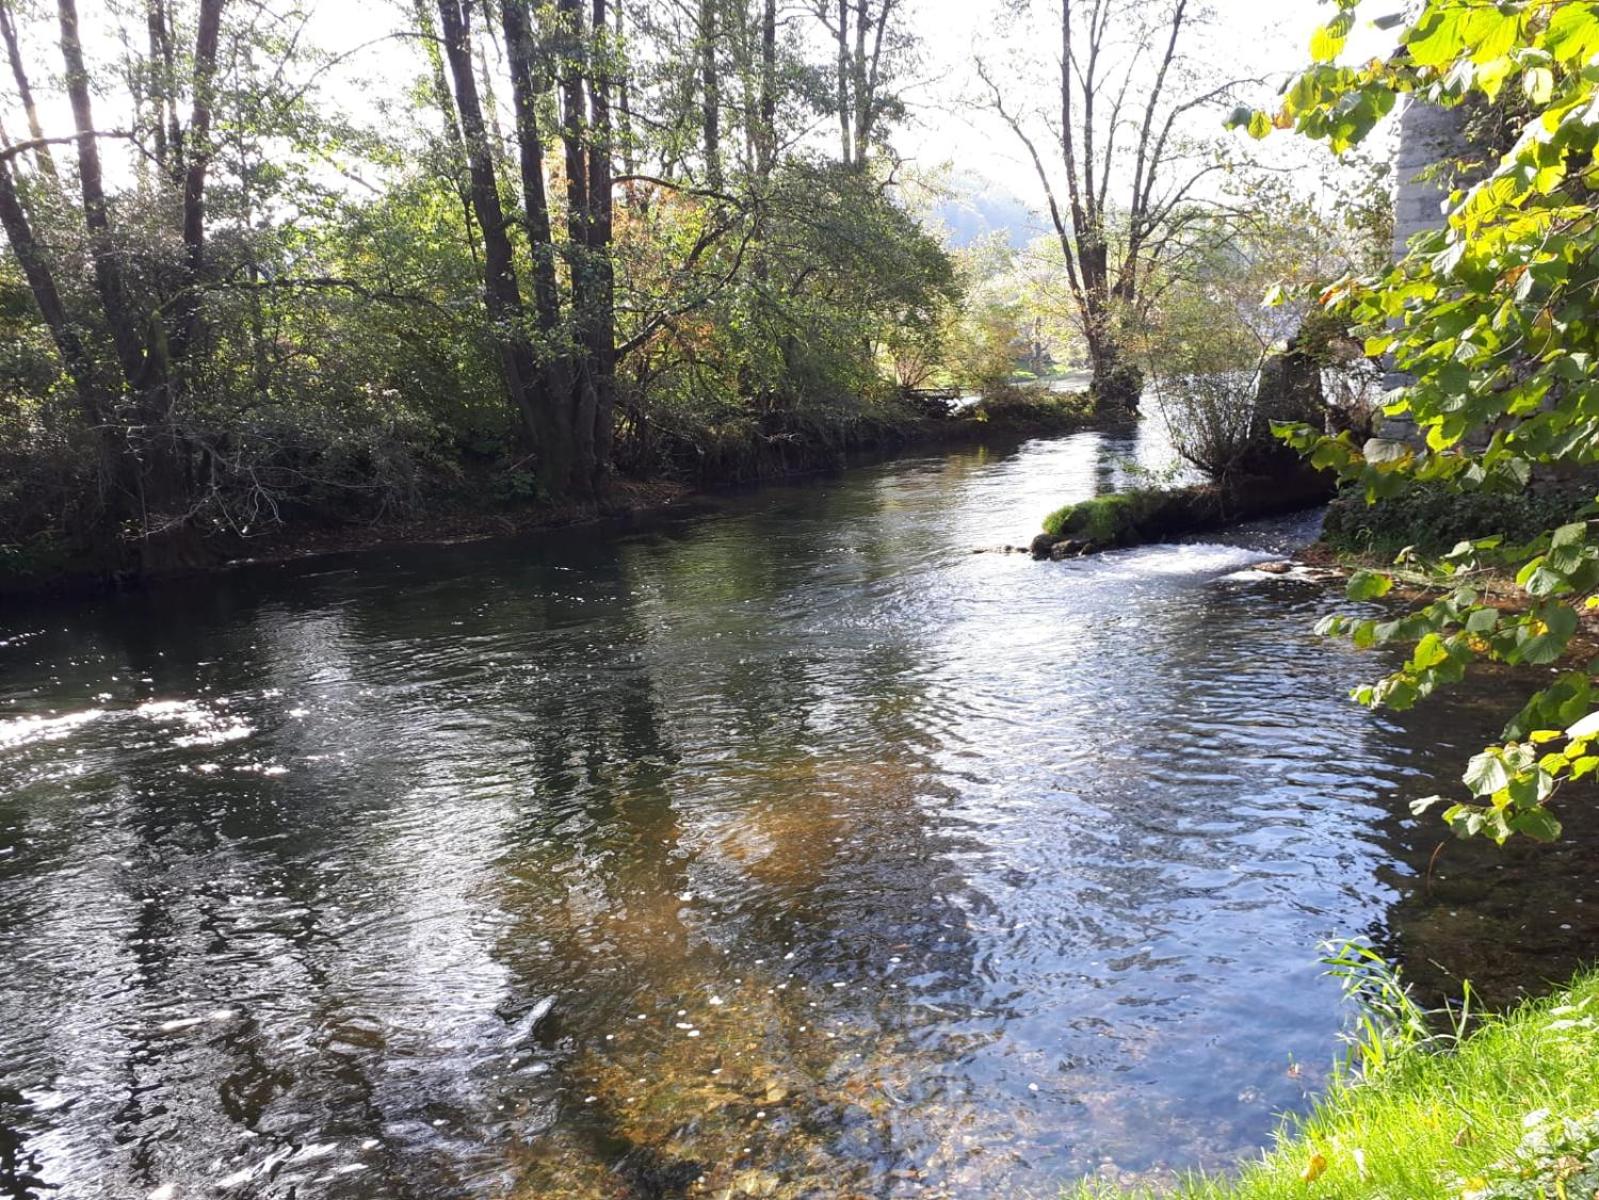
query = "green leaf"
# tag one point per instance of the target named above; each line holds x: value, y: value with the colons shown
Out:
x: 1368, y: 585
x: 1486, y: 774
x: 1573, y: 33
x: 1537, y: 823
x: 1327, y: 43
x: 1538, y: 85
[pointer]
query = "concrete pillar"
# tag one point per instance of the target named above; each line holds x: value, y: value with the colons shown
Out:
x: 1427, y: 135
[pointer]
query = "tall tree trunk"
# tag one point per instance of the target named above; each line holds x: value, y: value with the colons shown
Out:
x: 200, y: 150
x: 108, y: 275
x: 575, y: 120
x: 528, y: 80
x: 624, y: 95
x: 863, y: 100
x: 710, y: 96
x: 766, y: 146
x: 602, y: 328
x: 844, y: 123
x: 19, y: 74
x: 157, y: 92
x: 501, y: 292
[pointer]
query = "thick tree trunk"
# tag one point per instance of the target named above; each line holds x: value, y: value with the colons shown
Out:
x: 501, y: 293
x: 1117, y: 383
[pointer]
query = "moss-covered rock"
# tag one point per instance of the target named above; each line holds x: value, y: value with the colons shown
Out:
x: 1159, y: 514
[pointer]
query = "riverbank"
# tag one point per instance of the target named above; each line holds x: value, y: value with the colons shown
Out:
x: 1512, y: 1113
x: 477, y: 510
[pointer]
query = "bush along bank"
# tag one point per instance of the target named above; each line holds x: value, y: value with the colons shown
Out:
x: 463, y: 500
x: 1432, y: 518
x: 1508, y: 1112
x: 1160, y: 514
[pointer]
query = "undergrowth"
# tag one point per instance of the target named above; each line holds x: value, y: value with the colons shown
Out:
x: 1432, y: 518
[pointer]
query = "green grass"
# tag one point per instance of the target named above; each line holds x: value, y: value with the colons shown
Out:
x: 1440, y: 1124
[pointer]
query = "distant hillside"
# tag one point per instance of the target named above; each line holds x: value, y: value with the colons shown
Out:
x: 977, y: 208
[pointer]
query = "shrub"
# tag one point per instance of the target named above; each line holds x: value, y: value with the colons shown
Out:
x: 1432, y: 518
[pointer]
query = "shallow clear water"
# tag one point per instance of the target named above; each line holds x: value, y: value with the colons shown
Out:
x: 786, y: 842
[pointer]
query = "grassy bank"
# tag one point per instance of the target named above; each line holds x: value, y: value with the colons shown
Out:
x: 1508, y: 1113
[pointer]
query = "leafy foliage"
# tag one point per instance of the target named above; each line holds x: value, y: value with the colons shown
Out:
x: 1495, y: 317
x: 750, y: 302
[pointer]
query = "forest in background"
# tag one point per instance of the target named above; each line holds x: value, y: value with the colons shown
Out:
x: 558, y: 245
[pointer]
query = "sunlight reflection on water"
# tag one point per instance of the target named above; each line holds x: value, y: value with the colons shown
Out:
x: 789, y: 843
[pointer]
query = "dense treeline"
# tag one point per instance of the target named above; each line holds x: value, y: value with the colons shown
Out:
x: 504, y: 247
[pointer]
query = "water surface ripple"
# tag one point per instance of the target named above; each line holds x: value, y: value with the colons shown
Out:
x: 788, y: 843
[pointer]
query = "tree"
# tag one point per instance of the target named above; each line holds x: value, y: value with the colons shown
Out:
x: 1495, y: 318
x: 1118, y: 129
x: 561, y: 382
x: 871, y: 48
x: 151, y: 332
x: 582, y: 220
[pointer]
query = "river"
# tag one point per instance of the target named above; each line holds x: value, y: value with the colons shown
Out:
x: 783, y: 841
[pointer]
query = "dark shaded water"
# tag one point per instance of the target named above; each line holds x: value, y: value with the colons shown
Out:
x: 790, y: 843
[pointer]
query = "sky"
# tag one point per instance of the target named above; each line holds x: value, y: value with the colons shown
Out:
x: 1244, y: 38
x: 1268, y: 39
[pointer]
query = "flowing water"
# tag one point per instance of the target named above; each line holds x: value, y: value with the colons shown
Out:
x: 786, y: 846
